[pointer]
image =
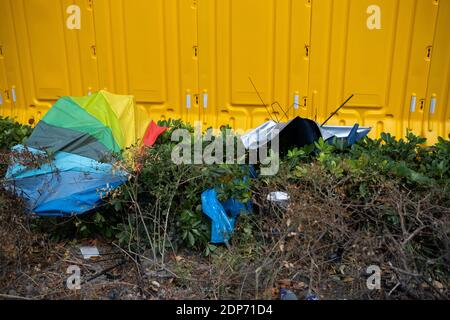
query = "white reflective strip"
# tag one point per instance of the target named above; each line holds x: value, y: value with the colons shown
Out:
x: 205, y: 100
x: 412, y: 106
x: 296, y: 101
x: 89, y: 93
x: 1, y: 99
x: 13, y: 91
x: 433, y: 105
x: 188, y: 101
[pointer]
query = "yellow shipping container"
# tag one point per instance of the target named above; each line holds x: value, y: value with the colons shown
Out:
x: 197, y: 59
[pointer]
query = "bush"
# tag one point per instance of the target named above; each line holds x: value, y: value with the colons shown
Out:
x: 20, y: 248
x: 162, y: 202
x: 382, y: 202
x: 12, y: 133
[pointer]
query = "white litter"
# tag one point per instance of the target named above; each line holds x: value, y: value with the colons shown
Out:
x: 262, y: 134
x: 258, y: 136
x: 89, y: 252
x: 342, y: 131
x: 278, y: 196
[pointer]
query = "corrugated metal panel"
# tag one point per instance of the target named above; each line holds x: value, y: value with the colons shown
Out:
x: 52, y: 60
x: 146, y: 48
x: 261, y: 40
x: 381, y: 64
x: 10, y: 76
x: 437, y: 104
x: 192, y: 59
x: 420, y: 51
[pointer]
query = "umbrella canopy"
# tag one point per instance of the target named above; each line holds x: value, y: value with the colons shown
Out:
x: 83, y: 135
x: 91, y: 126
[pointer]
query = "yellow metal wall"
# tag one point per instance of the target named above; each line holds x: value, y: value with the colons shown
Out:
x: 437, y: 123
x: 258, y: 40
x: 383, y: 67
x: 193, y: 59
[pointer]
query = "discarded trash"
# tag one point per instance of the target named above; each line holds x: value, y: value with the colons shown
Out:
x: 261, y: 133
x: 286, y: 294
x: 344, y: 132
x: 279, y: 199
x: 83, y: 134
x: 222, y: 226
x: 89, y: 252
x: 69, y: 184
x: 312, y: 296
x: 152, y: 133
x: 223, y: 215
x: 298, y: 133
x: 278, y: 196
x: 155, y: 286
x: 337, y: 110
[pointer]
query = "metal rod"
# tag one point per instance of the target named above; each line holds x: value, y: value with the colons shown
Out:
x: 95, y: 276
x: 337, y: 110
x: 279, y: 106
x: 260, y: 98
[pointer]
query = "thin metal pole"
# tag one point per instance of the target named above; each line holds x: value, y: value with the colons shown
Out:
x: 262, y: 101
x: 337, y: 110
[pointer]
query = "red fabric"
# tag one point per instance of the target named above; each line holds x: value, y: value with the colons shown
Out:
x: 152, y: 133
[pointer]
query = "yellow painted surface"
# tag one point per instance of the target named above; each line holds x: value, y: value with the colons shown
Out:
x: 382, y: 67
x: 193, y: 59
x: 146, y: 48
x: 261, y: 40
x: 437, y: 123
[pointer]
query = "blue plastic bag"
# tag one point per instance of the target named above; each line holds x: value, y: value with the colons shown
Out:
x: 222, y: 215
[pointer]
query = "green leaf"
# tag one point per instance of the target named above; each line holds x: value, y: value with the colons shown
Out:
x: 191, y: 239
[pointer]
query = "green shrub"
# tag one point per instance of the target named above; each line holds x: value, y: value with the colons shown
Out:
x: 12, y: 133
x: 163, y: 200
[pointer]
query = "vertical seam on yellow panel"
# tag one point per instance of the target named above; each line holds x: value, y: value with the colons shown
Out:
x: 325, y: 94
x: 113, y: 55
x: 214, y: 75
x: 165, y: 53
x: 308, y: 70
x: 230, y: 55
x: 344, y: 64
x: 80, y: 58
x: 66, y: 51
x: 94, y: 30
x: 30, y: 60
x: 429, y: 72
x: 407, y: 70
x: 273, y: 57
x: 197, y: 78
x: 19, y: 64
x: 180, y: 60
x: 125, y: 48
x: 289, y: 57
x: 388, y: 99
